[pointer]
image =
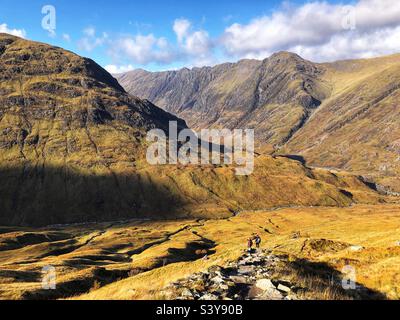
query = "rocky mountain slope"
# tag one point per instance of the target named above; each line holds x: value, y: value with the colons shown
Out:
x: 358, y: 127
x: 275, y: 96
x: 63, y: 117
x: 341, y: 114
x: 72, y: 149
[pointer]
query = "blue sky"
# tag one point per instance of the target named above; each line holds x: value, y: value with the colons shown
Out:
x: 168, y: 34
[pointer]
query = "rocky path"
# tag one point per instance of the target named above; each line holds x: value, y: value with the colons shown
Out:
x: 249, y: 278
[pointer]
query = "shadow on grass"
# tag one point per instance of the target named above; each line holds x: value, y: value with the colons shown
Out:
x: 193, y: 251
x: 326, y: 282
x: 36, y: 196
x: 97, y: 278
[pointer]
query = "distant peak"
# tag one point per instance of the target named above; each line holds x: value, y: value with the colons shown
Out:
x: 7, y: 35
x: 285, y: 55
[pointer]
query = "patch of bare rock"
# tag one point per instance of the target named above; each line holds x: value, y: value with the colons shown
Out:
x: 249, y: 278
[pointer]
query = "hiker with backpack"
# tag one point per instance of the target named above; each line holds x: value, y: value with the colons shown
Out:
x: 249, y: 245
x: 257, y: 241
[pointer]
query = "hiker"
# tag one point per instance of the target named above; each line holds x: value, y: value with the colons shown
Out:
x: 257, y: 240
x: 249, y: 245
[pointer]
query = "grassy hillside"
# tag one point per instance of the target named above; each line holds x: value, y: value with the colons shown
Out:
x: 135, y: 260
x: 342, y: 114
x: 357, y: 128
x: 72, y: 149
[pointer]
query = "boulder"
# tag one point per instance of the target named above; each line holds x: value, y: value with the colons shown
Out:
x: 217, y: 279
x: 245, y: 269
x: 239, y: 279
x: 265, y: 284
x: 271, y: 294
x: 209, y: 297
x: 224, y: 287
x: 283, y: 288
x: 186, y: 293
x: 356, y: 248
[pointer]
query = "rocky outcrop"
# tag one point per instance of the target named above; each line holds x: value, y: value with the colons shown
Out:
x: 263, y: 275
x: 249, y: 278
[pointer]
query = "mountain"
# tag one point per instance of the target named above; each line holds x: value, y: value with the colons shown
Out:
x: 275, y: 95
x: 358, y: 127
x: 61, y: 118
x: 342, y: 115
x: 72, y: 149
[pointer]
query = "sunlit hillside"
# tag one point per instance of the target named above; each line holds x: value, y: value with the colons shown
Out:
x: 137, y: 259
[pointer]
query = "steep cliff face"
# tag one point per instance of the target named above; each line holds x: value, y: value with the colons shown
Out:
x: 342, y: 114
x: 275, y: 96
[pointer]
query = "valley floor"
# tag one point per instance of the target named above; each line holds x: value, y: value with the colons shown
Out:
x: 139, y: 259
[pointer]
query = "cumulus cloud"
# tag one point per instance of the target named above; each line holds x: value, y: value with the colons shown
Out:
x: 192, y: 47
x: 195, y: 45
x: 15, y: 32
x: 142, y: 49
x: 90, y: 41
x: 115, y: 69
x: 319, y: 31
x: 181, y: 28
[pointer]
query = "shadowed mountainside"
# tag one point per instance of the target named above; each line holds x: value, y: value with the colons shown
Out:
x: 37, y: 196
x: 72, y: 149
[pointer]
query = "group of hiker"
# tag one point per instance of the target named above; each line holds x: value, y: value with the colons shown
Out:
x: 254, y: 239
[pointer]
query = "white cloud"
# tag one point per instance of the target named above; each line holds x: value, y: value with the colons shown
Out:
x: 15, y: 32
x: 354, y: 45
x: 91, y: 41
x: 66, y: 37
x: 90, y: 31
x: 142, y: 49
x: 115, y: 69
x: 181, y: 28
x: 319, y: 31
x: 198, y: 43
x: 194, y: 45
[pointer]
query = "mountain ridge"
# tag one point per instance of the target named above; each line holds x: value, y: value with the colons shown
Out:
x: 213, y: 97
x: 285, y: 99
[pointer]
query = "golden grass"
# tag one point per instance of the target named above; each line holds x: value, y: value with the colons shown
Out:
x: 158, y: 253
x: 373, y: 227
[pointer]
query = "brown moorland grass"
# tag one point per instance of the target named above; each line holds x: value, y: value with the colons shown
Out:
x: 136, y: 260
